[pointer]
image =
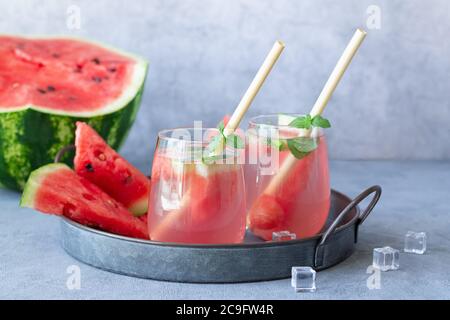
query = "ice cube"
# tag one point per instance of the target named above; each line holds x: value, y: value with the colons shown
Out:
x: 386, y: 258
x: 171, y: 194
x: 303, y: 279
x: 415, y: 242
x: 283, y: 236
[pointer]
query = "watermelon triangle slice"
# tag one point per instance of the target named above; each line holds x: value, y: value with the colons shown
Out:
x: 57, y: 189
x: 104, y: 167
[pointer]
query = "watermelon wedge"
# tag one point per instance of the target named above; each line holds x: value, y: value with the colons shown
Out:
x: 266, y: 214
x: 100, y: 164
x: 47, y: 84
x: 57, y: 189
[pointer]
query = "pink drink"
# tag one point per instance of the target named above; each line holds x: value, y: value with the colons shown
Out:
x: 301, y: 203
x: 194, y: 202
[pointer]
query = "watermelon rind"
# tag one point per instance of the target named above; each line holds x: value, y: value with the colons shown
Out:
x: 31, y: 136
x: 30, y: 139
x: 34, y: 181
x: 139, y: 208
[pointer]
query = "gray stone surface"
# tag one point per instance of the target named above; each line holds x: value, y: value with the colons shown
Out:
x: 33, y: 265
x: 392, y: 104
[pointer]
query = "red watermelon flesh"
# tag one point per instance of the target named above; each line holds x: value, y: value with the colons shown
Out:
x: 56, y: 189
x: 266, y: 215
x: 214, y: 189
x: 225, y: 120
x: 301, y: 202
x: 62, y: 75
x: 212, y: 210
x: 101, y: 165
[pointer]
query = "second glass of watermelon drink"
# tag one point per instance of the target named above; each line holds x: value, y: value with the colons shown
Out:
x: 300, y: 203
x: 193, y: 200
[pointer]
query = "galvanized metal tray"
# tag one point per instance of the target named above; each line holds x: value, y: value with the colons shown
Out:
x: 253, y: 260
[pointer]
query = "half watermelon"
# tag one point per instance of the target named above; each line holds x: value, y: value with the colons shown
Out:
x: 100, y: 164
x: 57, y: 189
x: 47, y: 84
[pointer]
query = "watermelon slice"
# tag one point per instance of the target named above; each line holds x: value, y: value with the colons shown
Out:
x: 46, y: 85
x: 266, y: 214
x: 100, y: 164
x: 56, y: 189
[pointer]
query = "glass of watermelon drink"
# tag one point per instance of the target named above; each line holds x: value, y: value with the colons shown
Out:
x: 194, y: 199
x: 300, y: 203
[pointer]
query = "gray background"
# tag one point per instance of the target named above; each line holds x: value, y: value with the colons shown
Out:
x: 392, y: 103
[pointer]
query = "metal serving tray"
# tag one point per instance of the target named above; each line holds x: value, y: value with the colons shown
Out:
x: 253, y: 260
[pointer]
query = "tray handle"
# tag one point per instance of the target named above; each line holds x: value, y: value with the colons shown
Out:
x: 63, y: 151
x: 376, y: 191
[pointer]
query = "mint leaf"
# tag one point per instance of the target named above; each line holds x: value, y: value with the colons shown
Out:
x: 234, y: 141
x: 211, y: 159
x: 304, y: 144
x: 306, y: 122
x: 215, y: 143
x: 210, y: 153
x: 320, y: 122
x: 301, y: 146
x: 302, y: 122
x: 221, y: 127
x: 280, y: 145
x: 296, y: 153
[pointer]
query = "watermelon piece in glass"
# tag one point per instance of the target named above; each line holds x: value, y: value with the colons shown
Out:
x: 300, y: 204
x: 192, y: 201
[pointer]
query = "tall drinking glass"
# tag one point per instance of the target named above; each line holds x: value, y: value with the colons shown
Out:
x: 301, y: 201
x: 194, y: 199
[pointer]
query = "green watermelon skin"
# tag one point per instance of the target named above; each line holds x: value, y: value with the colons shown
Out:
x: 30, y: 138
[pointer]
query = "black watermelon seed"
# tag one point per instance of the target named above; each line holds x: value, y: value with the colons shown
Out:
x: 56, y: 55
x: 89, y: 167
x: 41, y: 91
x: 96, y: 60
x: 97, y: 79
x: 112, y: 70
x: 51, y: 88
x: 128, y: 180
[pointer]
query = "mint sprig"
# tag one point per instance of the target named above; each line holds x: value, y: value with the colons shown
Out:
x: 307, y: 122
x: 218, y: 142
x: 302, y: 146
x: 232, y: 140
x: 221, y: 127
x: 320, y: 122
x: 214, y: 144
x: 302, y: 122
